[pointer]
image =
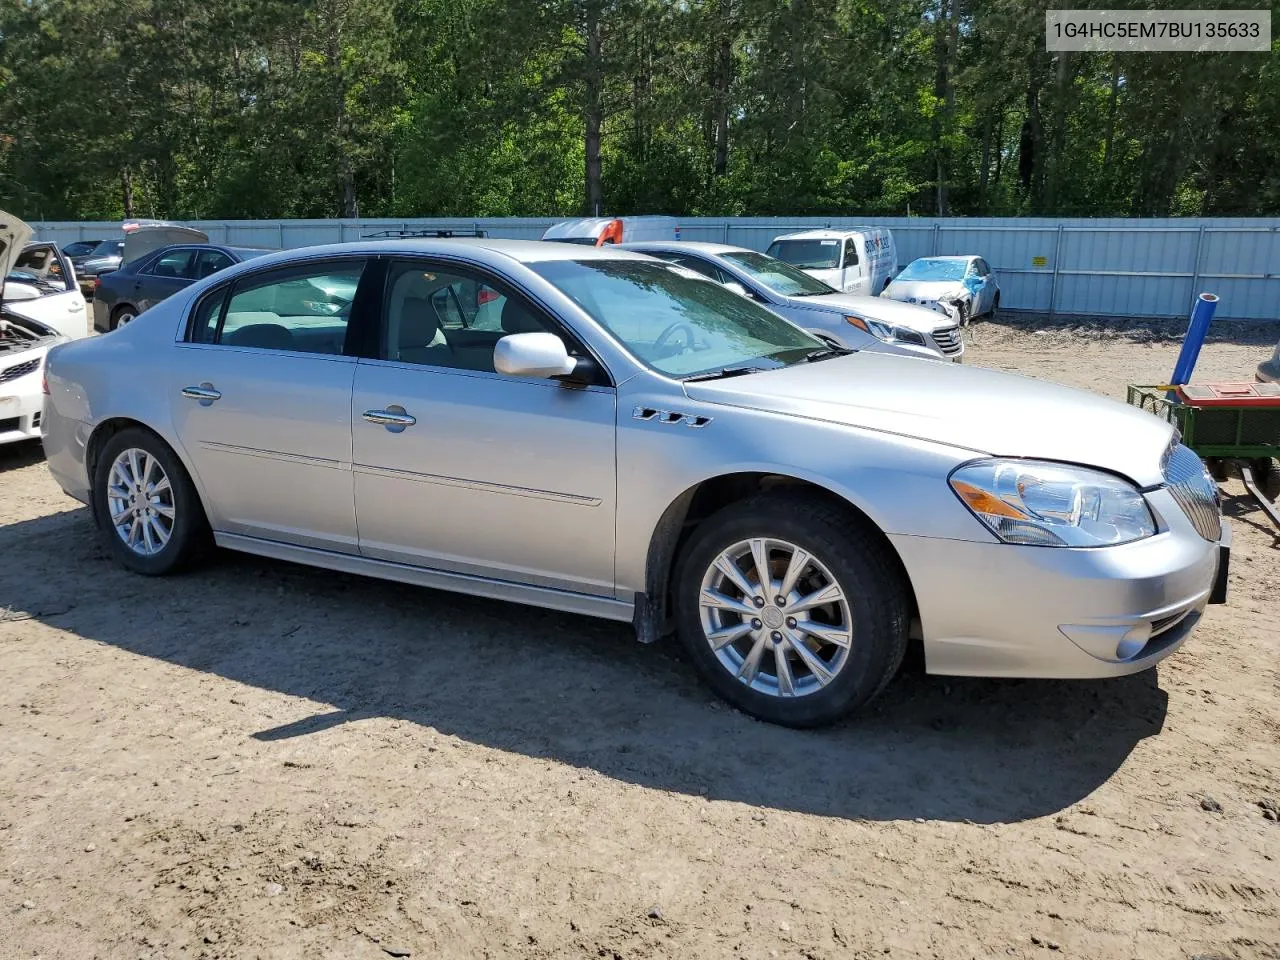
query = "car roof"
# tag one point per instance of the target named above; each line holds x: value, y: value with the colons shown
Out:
x: 475, y: 249
x: 695, y: 246
x: 828, y: 233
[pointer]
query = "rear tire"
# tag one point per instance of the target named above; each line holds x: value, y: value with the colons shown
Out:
x: 853, y: 645
x: 122, y: 315
x: 146, y: 506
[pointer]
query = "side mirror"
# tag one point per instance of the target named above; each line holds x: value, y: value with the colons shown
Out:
x: 736, y: 287
x: 20, y: 291
x: 533, y: 355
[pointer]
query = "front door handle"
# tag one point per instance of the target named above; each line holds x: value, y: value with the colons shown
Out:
x: 204, y: 393
x: 391, y: 418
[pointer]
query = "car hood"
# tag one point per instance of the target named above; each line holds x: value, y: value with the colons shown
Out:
x: 926, y: 289
x: 906, y: 315
x: 14, y: 235
x: 989, y: 412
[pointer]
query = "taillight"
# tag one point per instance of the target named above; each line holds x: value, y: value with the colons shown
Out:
x: 44, y: 380
x: 97, y: 282
x: 486, y: 295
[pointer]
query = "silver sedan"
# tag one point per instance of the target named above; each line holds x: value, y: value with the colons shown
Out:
x: 598, y: 431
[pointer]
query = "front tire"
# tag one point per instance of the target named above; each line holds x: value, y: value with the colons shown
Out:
x: 995, y: 308
x: 147, y: 508
x: 820, y: 638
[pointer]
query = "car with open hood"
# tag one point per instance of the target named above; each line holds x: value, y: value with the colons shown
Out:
x: 37, y: 281
x: 633, y: 441
x: 958, y: 287
x: 857, y: 322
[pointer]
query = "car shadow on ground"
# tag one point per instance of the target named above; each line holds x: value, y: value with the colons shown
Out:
x: 580, y: 691
x: 24, y: 453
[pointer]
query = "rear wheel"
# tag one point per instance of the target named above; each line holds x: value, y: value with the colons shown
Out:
x: 791, y: 609
x: 122, y: 315
x: 147, y: 508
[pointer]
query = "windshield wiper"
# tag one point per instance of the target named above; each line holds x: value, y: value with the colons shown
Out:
x: 722, y: 373
x: 826, y: 353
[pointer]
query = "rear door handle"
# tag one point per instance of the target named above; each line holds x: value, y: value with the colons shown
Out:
x: 204, y: 393
x: 390, y: 418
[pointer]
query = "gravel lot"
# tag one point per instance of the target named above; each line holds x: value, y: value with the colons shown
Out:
x: 261, y: 760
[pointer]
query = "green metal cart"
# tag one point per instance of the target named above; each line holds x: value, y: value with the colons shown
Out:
x: 1246, y: 436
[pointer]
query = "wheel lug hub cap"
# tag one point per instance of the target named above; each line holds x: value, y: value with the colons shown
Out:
x: 773, y: 619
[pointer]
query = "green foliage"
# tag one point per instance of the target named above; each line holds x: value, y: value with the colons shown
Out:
x: 320, y: 108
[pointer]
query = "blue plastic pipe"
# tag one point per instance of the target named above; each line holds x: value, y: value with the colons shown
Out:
x: 1201, y: 315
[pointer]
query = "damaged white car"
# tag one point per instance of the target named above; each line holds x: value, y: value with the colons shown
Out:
x: 37, y: 281
x: 958, y: 287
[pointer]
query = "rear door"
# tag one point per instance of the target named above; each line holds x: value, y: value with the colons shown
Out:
x: 260, y: 392
x: 162, y: 276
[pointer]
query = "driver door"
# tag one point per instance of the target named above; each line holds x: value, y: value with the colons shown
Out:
x: 460, y: 468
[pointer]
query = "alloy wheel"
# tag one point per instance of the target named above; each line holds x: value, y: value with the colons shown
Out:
x: 775, y: 617
x: 140, y: 501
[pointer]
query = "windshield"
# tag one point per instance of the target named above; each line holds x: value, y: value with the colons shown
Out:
x: 780, y: 277
x: 108, y: 248
x: 674, y: 320
x: 927, y: 269
x: 807, y: 254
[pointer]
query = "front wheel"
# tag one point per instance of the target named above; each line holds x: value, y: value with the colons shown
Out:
x: 995, y: 308
x: 792, y: 610
x: 146, y: 506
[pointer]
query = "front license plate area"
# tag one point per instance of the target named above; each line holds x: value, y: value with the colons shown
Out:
x: 1219, y: 592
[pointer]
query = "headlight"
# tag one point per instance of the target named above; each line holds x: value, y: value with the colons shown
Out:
x: 1053, y: 505
x: 886, y: 331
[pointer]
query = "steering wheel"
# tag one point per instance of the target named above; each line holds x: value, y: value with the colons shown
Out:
x: 677, y: 327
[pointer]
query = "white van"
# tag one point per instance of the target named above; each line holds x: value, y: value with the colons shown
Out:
x: 598, y: 231
x: 859, y: 260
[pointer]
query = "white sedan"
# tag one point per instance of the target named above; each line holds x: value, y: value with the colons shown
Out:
x: 38, y: 282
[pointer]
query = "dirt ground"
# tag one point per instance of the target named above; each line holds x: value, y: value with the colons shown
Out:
x: 261, y: 760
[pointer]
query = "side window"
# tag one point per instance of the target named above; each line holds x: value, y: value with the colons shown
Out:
x: 696, y: 265
x: 850, y: 253
x: 446, y: 317
x: 204, y: 322
x: 302, y: 309
x: 209, y: 262
x: 176, y: 265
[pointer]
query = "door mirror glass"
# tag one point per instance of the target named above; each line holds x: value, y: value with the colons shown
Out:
x: 737, y: 288
x: 533, y: 355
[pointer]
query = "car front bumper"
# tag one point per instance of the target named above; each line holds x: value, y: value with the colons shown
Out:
x: 997, y: 610
x: 21, y: 405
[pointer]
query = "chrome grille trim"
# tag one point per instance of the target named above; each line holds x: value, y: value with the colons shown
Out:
x: 19, y: 370
x: 1194, y: 490
x: 948, y: 340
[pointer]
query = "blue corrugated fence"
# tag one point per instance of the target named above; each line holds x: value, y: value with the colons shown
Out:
x: 1098, y: 267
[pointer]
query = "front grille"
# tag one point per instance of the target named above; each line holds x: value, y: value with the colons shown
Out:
x: 19, y: 370
x: 1194, y: 490
x: 948, y: 340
